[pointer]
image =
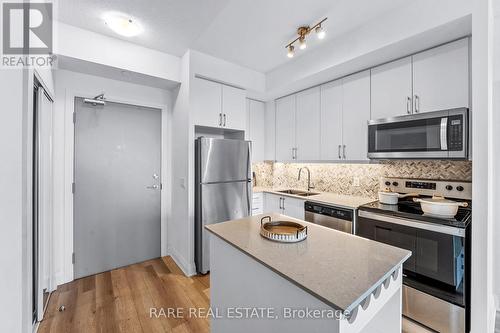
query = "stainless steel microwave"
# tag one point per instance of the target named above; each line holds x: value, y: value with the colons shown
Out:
x: 430, y: 135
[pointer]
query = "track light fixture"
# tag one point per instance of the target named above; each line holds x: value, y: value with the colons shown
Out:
x: 303, y: 32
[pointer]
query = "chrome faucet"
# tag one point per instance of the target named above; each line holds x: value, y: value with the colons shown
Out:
x: 309, y: 186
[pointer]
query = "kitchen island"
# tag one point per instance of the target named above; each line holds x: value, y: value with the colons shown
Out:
x: 330, y: 282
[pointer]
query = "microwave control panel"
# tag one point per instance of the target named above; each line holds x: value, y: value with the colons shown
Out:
x: 455, y: 133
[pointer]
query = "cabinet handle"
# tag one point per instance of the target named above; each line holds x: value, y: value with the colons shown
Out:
x: 343, y: 152
x: 224, y: 120
x: 281, y: 207
x: 294, y: 153
x: 340, y: 154
x: 283, y: 204
x: 220, y: 119
x: 417, y: 104
x: 408, y: 104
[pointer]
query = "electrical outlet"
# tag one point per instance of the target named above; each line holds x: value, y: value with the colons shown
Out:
x: 355, y: 181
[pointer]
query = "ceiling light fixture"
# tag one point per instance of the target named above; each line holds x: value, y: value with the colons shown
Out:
x: 303, y: 32
x: 122, y: 24
x: 320, y: 32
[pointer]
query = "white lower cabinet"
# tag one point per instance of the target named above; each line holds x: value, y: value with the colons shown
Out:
x: 257, y: 203
x: 274, y: 203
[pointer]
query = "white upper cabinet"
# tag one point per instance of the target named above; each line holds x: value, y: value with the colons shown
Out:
x: 256, y: 128
x: 391, y: 89
x: 207, y: 102
x: 331, y: 121
x: 218, y: 105
x: 233, y: 108
x: 307, y: 125
x: 355, y: 116
x: 441, y: 77
x: 285, y: 128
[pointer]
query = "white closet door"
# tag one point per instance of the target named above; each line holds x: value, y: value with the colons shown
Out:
x: 45, y: 197
x: 331, y: 120
x: 391, y: 91
x: 308, y: 124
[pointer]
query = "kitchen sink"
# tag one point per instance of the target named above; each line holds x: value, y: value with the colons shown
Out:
x: 297, y: 192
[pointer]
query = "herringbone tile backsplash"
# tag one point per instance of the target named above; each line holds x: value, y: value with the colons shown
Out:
x: 338, y: 178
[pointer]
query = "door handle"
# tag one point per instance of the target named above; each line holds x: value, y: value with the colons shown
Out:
x: 224, y: 120
x: 417, y: 104
x: 408, y: 104
x: 340, y: 154
x: 153, y: 187
x: 343, y: 152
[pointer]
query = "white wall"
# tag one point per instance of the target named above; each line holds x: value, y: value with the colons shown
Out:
x: 180, y: 224
x: 496, y: 150
x: 483, y: 172
x: 93, y: 47
x: 11, y: 200
x: 69, y: 84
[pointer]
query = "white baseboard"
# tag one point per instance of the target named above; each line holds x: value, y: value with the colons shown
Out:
x: 187, y: 268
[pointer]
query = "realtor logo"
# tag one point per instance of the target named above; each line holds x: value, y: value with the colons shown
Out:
x: 27, y: 28
x: 27, y: 34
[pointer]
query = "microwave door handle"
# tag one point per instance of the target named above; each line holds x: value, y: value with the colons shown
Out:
x: 444, y: 133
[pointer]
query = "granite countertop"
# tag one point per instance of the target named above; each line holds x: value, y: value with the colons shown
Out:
x: 340, y: 200
x: 338, y: 268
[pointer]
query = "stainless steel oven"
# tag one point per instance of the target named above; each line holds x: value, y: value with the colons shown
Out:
x: 430, y: 135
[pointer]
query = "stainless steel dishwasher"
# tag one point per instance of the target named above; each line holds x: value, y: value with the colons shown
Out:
x: 338, y: 218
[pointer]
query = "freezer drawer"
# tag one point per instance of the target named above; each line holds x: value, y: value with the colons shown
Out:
x: 223, y: 160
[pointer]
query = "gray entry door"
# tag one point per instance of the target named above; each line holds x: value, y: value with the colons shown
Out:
x: 117, y: 186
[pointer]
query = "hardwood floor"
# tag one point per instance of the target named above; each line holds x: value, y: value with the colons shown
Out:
x: 120, y: 301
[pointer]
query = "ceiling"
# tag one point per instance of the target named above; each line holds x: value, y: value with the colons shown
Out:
x: 250, y: 33
x: 170, y: 26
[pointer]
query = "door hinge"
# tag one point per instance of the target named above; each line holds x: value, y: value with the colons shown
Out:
x: 74, y: 117
x: 73, y: 188
x: 73, y: 257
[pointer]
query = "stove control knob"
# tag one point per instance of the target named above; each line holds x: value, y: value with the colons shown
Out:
x: 387, y: 183
x: 395, y: 184
x: 449, y: 187
x: 460, y: 188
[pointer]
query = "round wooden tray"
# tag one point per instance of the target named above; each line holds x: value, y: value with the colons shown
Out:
x: 282, y: 231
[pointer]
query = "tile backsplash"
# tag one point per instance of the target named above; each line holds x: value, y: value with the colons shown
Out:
x: 342, y: 178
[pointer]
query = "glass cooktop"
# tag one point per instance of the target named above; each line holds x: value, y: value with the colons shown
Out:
x: 410, y: 209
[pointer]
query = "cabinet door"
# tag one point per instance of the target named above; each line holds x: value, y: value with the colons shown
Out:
x: 441, y: 77
x: 391, y: 91
x: 331, y: 121
x: 207, y: 102
x: 233, y: 108
x: 293, y: 207
x: 285, y: 128
x: 272, y: 203
x: 308, y: 124
x: 355, y: 116
x: 256, y: 128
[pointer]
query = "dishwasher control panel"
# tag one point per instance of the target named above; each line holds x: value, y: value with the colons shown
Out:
x: 335, y: 212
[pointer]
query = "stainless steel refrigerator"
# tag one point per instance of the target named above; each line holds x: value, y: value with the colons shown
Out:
x: 223, y: 188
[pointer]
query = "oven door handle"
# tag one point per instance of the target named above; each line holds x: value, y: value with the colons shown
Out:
x: 444, y: 133
x: 444, y: 229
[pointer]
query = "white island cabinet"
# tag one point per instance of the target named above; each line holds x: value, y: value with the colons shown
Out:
x: 318, y: 285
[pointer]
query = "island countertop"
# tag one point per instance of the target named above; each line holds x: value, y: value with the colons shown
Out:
x: 338, y: 268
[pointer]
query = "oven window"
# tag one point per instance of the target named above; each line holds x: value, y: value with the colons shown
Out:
x: 413, y: 135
